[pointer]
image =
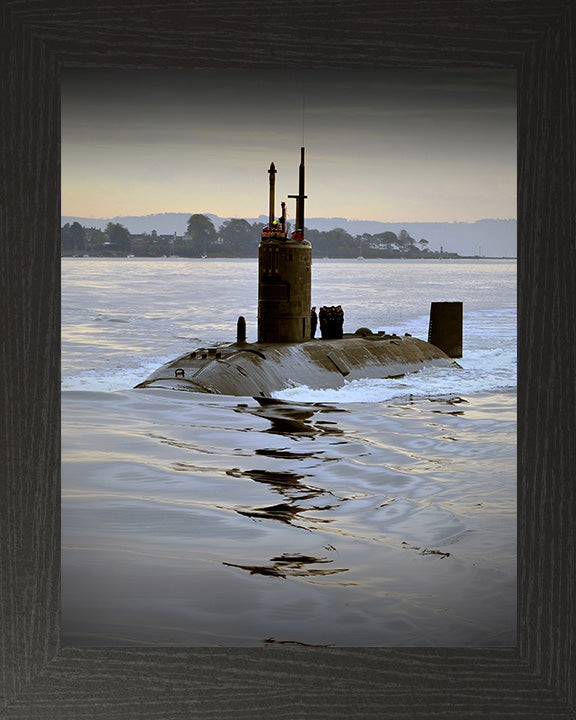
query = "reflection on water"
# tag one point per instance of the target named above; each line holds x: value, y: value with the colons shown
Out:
x: 205, y: 521
x: 291, y: 566
x: 270, y: 452
x: 289, y: 418
x: 284, y: 512
x: 286, y: 483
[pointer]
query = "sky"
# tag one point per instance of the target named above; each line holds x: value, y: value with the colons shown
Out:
x: 388, y: 145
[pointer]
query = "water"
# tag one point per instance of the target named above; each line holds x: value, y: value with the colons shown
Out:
x: 379, y: 514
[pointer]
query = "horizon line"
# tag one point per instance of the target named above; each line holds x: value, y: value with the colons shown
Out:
x: 315, y: 217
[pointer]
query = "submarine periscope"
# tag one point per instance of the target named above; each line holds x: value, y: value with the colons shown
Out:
x: 287, y: 353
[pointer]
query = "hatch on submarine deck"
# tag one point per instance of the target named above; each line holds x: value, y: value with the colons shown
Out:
x: 286, y: 353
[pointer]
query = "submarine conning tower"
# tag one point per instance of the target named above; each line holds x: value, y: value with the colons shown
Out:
x: 284, y: 273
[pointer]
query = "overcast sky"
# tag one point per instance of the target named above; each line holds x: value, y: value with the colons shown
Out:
x: 387, y: 145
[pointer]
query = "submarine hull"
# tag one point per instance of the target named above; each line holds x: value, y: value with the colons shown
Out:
x: 284, y: 355
x: 260, y: 369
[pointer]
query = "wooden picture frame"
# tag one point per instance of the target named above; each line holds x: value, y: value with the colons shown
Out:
x: 40, y: 680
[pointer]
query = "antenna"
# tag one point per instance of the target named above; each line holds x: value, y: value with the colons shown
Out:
x: 303, y: 106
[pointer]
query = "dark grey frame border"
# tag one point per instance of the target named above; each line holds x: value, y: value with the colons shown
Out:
x: 38, y: 679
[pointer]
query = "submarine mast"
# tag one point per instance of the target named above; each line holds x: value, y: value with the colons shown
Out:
x: 284, y: 273
x: 300, y: 197
x: 272, y: 173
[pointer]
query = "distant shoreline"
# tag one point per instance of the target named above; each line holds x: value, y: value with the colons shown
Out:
x: 486, y: 237
x: 232, y: 257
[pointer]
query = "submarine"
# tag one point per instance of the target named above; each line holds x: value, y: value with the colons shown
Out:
x: 287, y: 353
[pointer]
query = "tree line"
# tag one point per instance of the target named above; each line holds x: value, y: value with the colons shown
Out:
x: 79, y: 240
x: 235, y: 238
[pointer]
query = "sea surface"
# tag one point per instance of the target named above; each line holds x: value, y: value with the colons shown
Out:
x: 379, y: 514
